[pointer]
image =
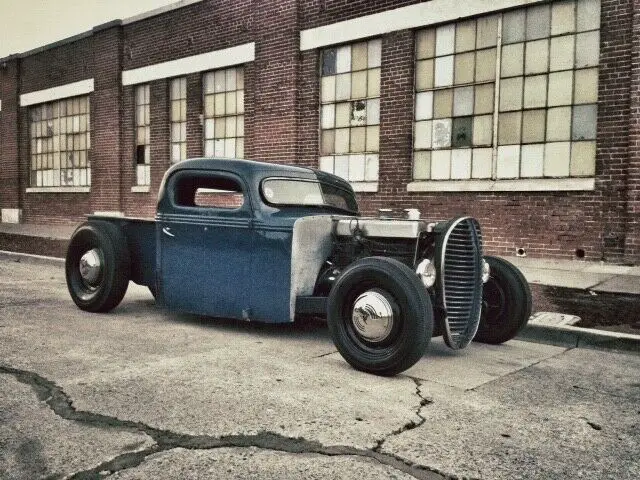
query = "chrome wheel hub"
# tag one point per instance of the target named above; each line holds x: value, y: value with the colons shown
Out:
x: 372, y: 316
x: 91, y: 267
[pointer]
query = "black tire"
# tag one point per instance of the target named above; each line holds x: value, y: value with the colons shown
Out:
x: 111, y: 285
x: 506, y: 303
x: 410, y: 334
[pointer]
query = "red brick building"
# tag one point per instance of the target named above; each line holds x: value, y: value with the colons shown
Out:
x: 522, y: 113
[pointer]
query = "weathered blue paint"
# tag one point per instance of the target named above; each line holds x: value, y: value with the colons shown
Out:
x: 221, y: 262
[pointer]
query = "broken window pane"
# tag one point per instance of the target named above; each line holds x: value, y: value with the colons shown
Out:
x: 329, y: 61
x: 358, y: 113
x: 462, y: 132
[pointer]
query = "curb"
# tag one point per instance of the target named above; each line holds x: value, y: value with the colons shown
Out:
x: 578, y: 337
x: 30, y: 258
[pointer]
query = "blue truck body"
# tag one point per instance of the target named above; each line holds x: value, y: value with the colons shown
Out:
x: 218, y: 261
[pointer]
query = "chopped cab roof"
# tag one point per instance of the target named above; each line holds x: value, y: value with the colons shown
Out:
x: 242, y: 167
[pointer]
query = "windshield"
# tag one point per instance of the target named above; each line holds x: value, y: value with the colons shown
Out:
x: 286, y: 191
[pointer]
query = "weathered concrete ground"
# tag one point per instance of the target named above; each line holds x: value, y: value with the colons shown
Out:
x: 144, y: 393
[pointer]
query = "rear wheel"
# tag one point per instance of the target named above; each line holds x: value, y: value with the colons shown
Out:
x: 380, y: 316
x: 506, y: 303
x: 97, y: 266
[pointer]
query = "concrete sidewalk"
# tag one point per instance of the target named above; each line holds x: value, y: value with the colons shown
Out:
x: 595, y: 276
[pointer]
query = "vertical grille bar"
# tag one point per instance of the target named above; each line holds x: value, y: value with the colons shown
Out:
x: 461, y: 281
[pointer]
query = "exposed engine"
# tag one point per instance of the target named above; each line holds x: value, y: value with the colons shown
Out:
x: 407, y: 241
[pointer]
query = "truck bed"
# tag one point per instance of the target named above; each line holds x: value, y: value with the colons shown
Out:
x: 141, y: 240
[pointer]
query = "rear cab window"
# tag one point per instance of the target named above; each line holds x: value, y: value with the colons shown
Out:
x: 209, y: 190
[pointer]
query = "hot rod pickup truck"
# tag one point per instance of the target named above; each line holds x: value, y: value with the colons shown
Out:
x: 270, y: 243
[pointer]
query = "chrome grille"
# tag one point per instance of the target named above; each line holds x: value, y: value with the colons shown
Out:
x: 461, y: 281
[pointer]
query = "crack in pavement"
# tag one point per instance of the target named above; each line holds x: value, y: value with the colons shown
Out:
x: 60, y: 403
x: 411, y: 424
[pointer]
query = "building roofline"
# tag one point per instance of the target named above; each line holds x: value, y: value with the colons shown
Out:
x: 102, y: 26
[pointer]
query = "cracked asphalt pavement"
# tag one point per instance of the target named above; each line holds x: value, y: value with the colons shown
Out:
x: 146, y: 393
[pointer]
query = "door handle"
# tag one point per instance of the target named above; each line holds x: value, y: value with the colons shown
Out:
x: 167, y: 230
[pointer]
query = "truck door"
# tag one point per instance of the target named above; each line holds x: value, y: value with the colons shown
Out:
x: 205, y: 244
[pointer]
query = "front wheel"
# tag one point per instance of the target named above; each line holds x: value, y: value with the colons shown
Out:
x: 506, y: 303
x: 380, y: 316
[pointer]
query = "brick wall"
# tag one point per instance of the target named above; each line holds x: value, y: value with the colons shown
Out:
x: 282, y: 122
x: 632, y: 243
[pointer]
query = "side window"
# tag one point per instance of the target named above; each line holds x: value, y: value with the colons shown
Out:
x: 209, y: 191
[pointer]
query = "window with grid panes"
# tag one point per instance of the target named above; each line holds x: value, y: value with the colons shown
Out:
x: 224, y: 113
x: 60, y: 143
x: 178, y: 100
x: 350, y: 110
x: 143, y: 135
x: 546, y: 102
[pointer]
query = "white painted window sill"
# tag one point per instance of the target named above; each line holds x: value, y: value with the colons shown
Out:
x: 140, y: 189
x: 519, y: 185
x: 58, y: 190
x: 364, y: 186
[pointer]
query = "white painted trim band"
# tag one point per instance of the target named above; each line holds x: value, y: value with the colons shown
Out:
x: 364, y: 186
x: 520, y: 185
x: 83, y: 87
x: 412, y: 16
x: 58, y: 190
x: 196, y: 63
x: 108, y: 214
x: 140, y: 189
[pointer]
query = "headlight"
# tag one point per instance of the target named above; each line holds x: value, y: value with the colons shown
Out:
x: 486, y: 271
x: 426, y: 270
